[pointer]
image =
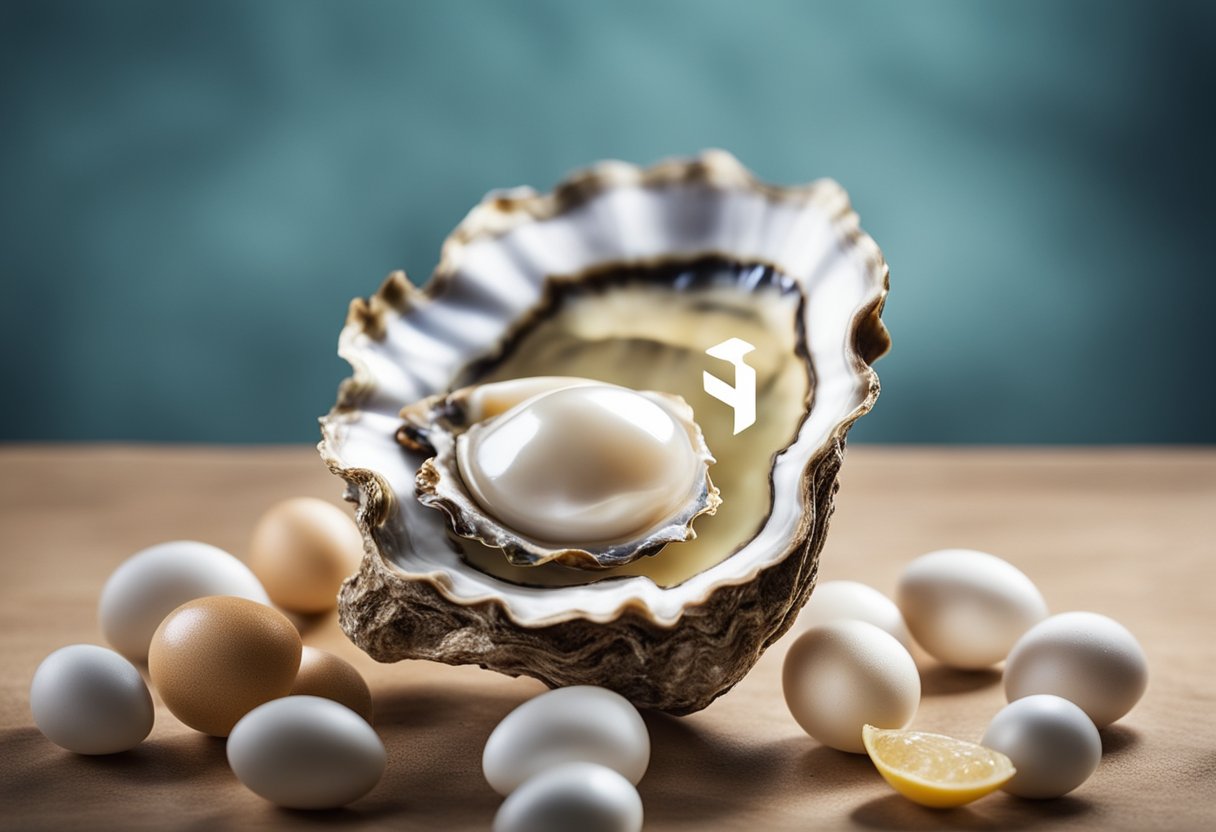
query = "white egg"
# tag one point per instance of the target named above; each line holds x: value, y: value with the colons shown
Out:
x: 834, y: 600
x: 152, y: 583
x: 91, y: 700
x: 582, y: 723
x: 967, y: 608
x: 1051, y: 742
x: 305, y: 752
x: 842, y: 675
x: 1087, y: 658
x: 574, y: 796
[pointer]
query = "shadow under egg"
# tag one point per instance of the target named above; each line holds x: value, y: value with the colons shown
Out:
x: 941, y: 680
x: 995, y: 812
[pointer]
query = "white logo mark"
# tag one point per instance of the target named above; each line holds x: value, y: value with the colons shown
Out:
x: 742, y: 396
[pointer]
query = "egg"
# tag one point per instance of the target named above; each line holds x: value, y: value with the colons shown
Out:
x: 967, y: 608
x: 215, y: 659
x: 834, y: 600
x: 572, y: 796
x: 325, y: 675
x: 155, y: 581
x: 1050, y: 741
x: 840, y: 676
x: 302, y: 550
x: 90, y: 700
x: 1087, y: 658
x: 582, y: 723
x: 306, y: 752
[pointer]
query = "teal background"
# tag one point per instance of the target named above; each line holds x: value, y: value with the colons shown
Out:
x: 190, y: 193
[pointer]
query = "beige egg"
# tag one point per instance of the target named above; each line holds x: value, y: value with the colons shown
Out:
x: 214, y: 659
x: 846, y: 674
x: 325, y: 675
x: 302, y: 550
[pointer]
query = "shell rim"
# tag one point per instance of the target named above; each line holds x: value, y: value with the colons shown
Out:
x: 501, y: 211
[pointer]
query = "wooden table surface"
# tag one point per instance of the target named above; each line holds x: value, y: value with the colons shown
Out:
x: 1126, y: 532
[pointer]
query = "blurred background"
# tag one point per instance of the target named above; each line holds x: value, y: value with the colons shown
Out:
x: 190, y: 193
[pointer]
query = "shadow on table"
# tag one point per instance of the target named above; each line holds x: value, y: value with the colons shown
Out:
x: 310, y: 622
x: 43, y: 786
x: 265, y: 816
x: 1117, y: 739
x: 433, y: 780
x: 826, y: 769
x: 434, y: 738
x: 40, y: 766
x: 939, y: 680
x: 698, y: 774
x: 997, y: 812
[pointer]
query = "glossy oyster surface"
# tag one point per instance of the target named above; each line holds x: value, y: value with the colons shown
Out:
x: 566, y: 470
x: 626, y: 277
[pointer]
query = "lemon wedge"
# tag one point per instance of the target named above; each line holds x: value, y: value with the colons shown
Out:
x: 935, y: 770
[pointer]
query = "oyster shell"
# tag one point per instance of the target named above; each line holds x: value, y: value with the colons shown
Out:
x: 626, y: 276
x: 585, y: 474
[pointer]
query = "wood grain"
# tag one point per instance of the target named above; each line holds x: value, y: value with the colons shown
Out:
x: 1126, y: 532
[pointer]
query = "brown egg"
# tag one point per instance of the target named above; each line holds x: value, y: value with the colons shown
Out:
x: 302, y: 550
x: 324, y: 674
x: 215, y: 659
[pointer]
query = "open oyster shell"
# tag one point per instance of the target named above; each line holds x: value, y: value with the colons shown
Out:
x: 628, y: 276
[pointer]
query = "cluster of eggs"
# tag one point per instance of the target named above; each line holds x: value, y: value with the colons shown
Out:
x: 560, y: 770
x: 1065, y: 676
x: 298, y: 720
x: 226, y: 662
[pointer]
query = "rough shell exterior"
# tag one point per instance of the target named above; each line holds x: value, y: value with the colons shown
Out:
x: 678, y: 664
x: 393, y: 619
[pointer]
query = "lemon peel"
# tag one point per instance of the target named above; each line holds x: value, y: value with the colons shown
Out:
x: 933, y: 769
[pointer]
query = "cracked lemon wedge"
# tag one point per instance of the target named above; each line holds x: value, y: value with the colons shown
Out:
x: 933, y: 769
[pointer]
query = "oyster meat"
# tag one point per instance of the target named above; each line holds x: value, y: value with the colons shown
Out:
x: 517, y: 513
x: 586, y: 474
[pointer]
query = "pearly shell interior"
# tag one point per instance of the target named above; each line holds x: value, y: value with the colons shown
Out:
x: 647, y: 328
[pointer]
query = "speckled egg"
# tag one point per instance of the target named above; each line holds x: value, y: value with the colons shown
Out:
x: 215, y: 659
x: 325, y: 675
x: 302, y: 550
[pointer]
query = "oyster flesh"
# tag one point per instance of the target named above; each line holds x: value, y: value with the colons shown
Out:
x: 586, y: 474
